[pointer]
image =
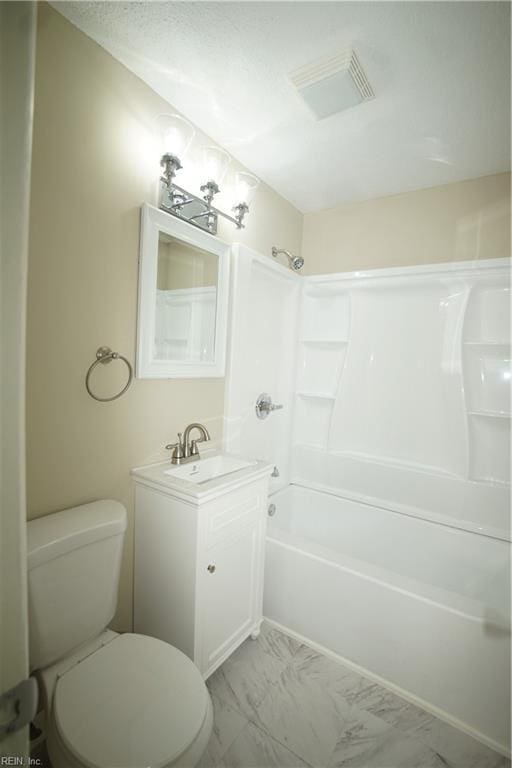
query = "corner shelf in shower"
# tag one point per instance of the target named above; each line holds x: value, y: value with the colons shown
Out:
x: 317, y: 395
x: 322, y: 348
x: 312, y: 419
x: 489, y: 446
x: 491, y: 414
x: 506, y: 345
x: 334, y: 342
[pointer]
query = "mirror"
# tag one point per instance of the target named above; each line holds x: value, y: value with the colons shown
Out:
x: 182, y: 299
x: 186, y: 300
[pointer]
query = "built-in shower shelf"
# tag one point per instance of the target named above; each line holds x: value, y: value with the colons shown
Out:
x: 490, y: 414
x: 491, y: 344
x: 319, y: 449
x: 493, y: 482
x: 317, y: 395
x: 334, y: 342
x: 326, y: 292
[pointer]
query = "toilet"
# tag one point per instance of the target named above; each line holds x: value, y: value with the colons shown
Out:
x: 111, y: 700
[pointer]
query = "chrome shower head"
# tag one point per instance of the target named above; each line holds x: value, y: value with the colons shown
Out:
x: 296, y: 262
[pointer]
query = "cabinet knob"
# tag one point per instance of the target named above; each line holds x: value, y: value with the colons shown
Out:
x: 211, y: 569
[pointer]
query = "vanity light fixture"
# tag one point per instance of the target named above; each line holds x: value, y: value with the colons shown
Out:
x: 245, y: 188
x: 177, y: 137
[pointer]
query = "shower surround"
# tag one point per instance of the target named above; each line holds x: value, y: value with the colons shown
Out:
x: 390, y: 545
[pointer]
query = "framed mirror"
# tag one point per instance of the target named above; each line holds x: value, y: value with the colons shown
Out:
x: 183, y: 299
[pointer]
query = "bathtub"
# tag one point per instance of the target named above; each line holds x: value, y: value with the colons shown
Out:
x: 420, y: 606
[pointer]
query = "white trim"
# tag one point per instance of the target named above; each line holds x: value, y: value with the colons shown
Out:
x: 153, y: 221
x: 410, y: 697
x: 18, y: 23
x: 186, y: 292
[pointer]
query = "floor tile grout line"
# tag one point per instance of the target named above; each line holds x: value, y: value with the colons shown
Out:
x: 286, y: 746
x: 259, y: 726
x: 246, y: 723
x: 238, y: 712
x: 262, y: 728
x: 286, y: 665
x: 289, y: 664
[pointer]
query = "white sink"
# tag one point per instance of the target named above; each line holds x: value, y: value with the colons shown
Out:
x: 207, y: 469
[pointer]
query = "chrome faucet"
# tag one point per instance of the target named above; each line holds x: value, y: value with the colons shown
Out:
x: 185, y: 449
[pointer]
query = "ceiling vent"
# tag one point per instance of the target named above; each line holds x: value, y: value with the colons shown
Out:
x: 331, y: 84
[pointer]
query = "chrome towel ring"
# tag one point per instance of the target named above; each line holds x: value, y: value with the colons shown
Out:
x: 105, y: 355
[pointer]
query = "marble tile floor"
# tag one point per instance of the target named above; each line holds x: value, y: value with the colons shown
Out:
x: 279, y: 704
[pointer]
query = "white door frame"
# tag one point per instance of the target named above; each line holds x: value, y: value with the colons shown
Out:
x: 17, y: 60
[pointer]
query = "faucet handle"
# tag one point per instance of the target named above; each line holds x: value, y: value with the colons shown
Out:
x: 178, y: 448
x: 265, y: 406
x: 193, y: 443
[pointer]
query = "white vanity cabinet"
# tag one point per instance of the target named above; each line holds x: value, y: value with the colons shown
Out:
x: 199, y: 555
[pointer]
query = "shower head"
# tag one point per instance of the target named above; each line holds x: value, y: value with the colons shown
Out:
x: 296, y: 262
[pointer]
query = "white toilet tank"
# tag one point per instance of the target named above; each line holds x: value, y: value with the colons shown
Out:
x: 74, y: 559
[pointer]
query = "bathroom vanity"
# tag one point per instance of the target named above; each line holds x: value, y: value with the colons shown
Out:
x: 199, y: 553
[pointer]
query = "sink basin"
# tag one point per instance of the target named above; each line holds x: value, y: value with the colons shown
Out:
x: 207, y: 469
x: 211, y: 476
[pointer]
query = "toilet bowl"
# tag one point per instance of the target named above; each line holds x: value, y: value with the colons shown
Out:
x: 136, y: 701
x: 112, y: 700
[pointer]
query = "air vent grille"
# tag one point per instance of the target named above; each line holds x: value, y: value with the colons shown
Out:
x: 360, y: 79
x: 332, y: 83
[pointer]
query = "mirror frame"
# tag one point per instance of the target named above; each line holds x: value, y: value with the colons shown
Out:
x: 153, y: 221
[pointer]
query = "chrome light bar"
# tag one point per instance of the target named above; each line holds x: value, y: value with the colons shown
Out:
x: 198, y: 211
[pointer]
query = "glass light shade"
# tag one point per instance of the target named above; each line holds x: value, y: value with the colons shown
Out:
x: 245, y: 187
x: 177, y: 134
x: 216, y: 161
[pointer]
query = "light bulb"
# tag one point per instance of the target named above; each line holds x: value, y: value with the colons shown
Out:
x: 245, y: 187
x: 216, y: 161
x: 176, y: 135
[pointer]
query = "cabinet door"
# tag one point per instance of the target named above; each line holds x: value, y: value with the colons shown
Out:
x: 230, y: 594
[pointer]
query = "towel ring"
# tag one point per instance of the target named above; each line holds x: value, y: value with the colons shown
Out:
x: 105, y: 355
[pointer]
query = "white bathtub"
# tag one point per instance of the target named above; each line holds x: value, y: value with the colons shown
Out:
x: 421, y: 605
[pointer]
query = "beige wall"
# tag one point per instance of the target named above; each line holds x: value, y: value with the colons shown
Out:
x: 92, y: 169
x: 467, y: 220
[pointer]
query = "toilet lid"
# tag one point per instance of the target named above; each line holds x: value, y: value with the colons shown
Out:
x: 136, y: 702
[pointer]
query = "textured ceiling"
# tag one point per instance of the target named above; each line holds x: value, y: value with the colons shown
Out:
x: 440, y: 72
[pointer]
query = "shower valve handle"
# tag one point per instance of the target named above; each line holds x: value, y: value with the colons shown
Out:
x: 264, y: 406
